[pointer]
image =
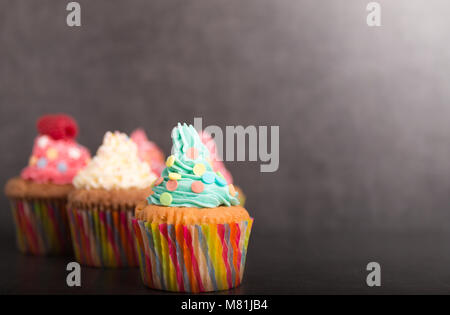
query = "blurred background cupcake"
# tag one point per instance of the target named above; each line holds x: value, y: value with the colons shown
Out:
x: 148, y: 151
x: 39, y: 195
x: 218, y: 165
x: 191, y: 233
x: 101, y: 207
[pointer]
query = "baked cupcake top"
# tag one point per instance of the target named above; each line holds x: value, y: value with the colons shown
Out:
x: 148, y: 151
x: 56, y: 157
x: 115, y: 166
x: 188, y: 179
x: 18, y: 187
x: 216, y: 162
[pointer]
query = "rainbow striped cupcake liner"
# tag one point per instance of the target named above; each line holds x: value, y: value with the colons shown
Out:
x: 192, y: 258
x: 103, y: 238
x: 42, y: 226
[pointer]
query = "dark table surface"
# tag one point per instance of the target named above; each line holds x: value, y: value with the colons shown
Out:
x: 291, y: 263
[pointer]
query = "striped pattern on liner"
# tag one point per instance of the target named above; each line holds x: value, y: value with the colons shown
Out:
x: 192, y: 258
x: 103, y: 238
x: 42, y: 226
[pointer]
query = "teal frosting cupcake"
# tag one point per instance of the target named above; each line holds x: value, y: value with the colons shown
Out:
x: 188, y: 179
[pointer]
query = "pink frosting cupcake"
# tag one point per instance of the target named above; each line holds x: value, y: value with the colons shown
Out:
x: 39, y: 196
x: 148, y: 151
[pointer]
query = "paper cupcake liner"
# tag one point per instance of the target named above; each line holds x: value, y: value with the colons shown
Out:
x: 192, y: 258
x: 42, y: 226
x: 103, y: 238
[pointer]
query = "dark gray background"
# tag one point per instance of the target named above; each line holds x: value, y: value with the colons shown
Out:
x: 363, y: 112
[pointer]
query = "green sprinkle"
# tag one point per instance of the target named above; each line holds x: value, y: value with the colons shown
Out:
x: 165, y: 199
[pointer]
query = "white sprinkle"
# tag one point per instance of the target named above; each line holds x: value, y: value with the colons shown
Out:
x: 42, y: 141
x: 74, y: 153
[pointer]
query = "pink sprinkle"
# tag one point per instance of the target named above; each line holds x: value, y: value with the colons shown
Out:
x: 192, y: 153
x: 171, y: 185
x: 197, y: 187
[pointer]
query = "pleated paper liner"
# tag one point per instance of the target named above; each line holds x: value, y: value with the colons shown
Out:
x: 103, y: 237
x: 42, y: 226
x: 192, y: 258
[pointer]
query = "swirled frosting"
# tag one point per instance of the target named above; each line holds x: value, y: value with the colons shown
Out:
x: 55, y: 161
x: 188, y: 179
x: 115, y: 166
x: 216, y: 163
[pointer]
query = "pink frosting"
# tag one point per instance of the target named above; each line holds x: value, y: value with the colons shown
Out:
x: 56, y: 161
x: 216, y: 163
x: 148, y: 151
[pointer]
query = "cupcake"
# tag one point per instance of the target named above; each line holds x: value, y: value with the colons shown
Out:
x: 191, y: 233
x: 101, y: 206
x: 218, y: 165
x: 39, y: 195
x: 148, y: 151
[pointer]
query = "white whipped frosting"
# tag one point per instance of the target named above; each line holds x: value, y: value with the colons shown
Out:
x: 115, y: 166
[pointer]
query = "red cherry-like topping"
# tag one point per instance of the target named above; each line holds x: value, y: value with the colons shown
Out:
x: 58, y: 126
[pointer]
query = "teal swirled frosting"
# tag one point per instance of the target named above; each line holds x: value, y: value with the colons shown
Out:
x: 187, y: 152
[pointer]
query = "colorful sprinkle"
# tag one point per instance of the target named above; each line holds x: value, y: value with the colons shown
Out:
x: 171, y: 185
x: 209, y: 177
x: 158, y: 181
x: 192, y: 153
x: 197, y: 187
x: 174, y: 176
x: 42, y: 162
x: 220, y: 181
x: 170, y: 161
x: 232, y: 190
x: 42, y: 141
x: 199, y: 169
x: 52, y: 153
x: 218, y: 173
x: 74, y: 153
x: 62, y: 167
x: 165, y: 199
x: 33, y: 160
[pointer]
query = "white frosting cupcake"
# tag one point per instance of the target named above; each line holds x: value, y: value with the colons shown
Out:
x: 115, y: 166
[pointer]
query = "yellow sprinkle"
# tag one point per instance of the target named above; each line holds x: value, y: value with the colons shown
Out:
x: 232, y: 190
x: 52, y: 154
x: 170, y: 160
x: 174, y: 176
x: 199, y: 169
x: 33, y: 160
